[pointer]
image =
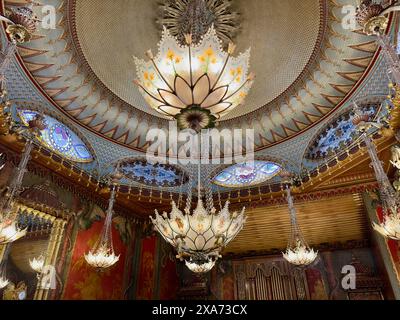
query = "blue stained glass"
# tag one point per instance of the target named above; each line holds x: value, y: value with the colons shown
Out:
x: 336, y: 136
x: 59, y: 138
x: 157, y: 175
x: 247, y: 174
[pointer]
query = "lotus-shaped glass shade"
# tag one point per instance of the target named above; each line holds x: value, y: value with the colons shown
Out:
x: 37, y: 264
x: 3, y: 282
x: 390, y: 227
x: 101, y: 258
x: 201, y: 232
x: 301, y: 255
x: 202, y: 75
x: 10, y: 231
x: 203, y: 267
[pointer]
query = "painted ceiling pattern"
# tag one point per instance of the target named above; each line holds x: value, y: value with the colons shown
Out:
x: 59, y: 138
x: 247, y: 174
x: 341, y: 61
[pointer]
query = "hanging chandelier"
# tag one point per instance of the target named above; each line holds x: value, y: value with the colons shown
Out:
x: 10, y: 229
x: 199, y: 237
x: 390, y: 226
x: 298, y: 252
x: 196, y: 84
x: 102, y: 255
x: 37, y: 264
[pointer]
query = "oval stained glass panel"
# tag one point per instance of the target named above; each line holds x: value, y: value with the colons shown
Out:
x: 247, y: 174
x: 59, y: 138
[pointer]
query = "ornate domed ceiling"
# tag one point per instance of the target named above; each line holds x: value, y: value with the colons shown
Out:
x: 270, y: 28
x: 307, y: 65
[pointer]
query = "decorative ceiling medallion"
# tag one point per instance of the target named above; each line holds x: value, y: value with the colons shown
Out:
x: 59, y: 138
x: 247, y: 174
x: 159, y: 175
x: 337, y: 135
x: 177, y: 16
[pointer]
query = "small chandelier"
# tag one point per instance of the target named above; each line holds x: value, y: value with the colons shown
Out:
x: 199, y: 237
x: 390, y: 226
x: 37, y: 264
x: 102, y: 255
x: 196, y: 84
x: 10, y: 230
x: 298, y: 251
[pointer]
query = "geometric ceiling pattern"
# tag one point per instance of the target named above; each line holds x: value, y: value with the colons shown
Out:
x: 332, y: 61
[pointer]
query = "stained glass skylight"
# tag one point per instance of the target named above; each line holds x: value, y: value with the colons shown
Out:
x: 161, y: 175
x: 247, y: 174
x: 336, y: 136
x: 59, y: 138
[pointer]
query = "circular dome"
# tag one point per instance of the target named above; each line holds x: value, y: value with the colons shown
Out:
x: 109, y: 35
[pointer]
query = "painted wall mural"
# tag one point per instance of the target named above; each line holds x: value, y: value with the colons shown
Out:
x: 169, y: 280
x: 85, y: 283
x: 147, y: 273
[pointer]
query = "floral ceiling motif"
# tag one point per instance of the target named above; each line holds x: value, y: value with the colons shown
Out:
x: 247, y: 174
x: 290, y: 94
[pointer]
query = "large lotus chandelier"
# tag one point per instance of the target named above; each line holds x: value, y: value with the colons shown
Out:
x: 390, y: 226
x: 298, y: 252
x: 196, y: 84
x: 199, y: 237
x: 102, y: 255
